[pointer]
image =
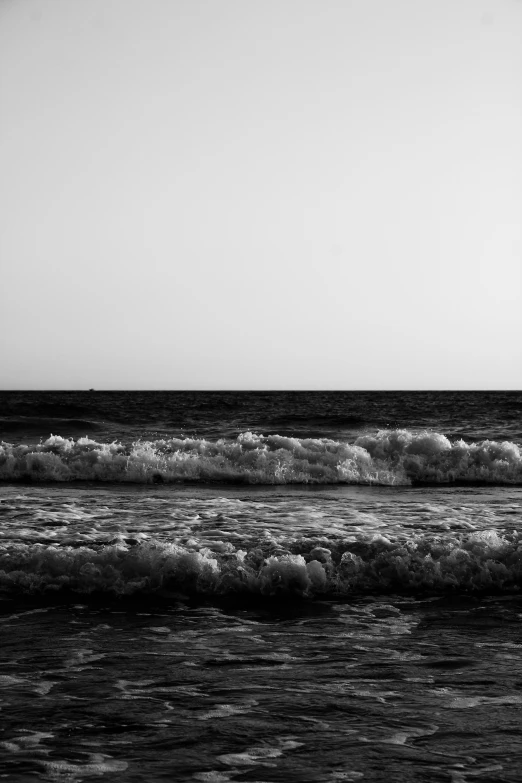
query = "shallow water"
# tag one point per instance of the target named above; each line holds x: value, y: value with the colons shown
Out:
x: 363, y: 625
x: 201, y: 681
x: 380, y: 689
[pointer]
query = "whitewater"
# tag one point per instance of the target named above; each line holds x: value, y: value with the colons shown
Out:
x: 396, y: 457
x: 260, y: 587
x: 290, y: 545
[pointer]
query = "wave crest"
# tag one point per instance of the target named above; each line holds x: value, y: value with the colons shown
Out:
x: 389, y: 457
x: 484, y: 561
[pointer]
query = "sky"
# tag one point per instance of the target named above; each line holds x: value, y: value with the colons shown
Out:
x: 260, y: 194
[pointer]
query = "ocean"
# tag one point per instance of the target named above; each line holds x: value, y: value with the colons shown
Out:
x: 279, y: 586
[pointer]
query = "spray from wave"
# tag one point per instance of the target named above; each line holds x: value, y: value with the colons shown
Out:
x: 389, y: 457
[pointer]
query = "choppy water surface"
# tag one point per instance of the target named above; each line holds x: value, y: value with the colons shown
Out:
x: 393, y: 688
x: 345, y: 607
x: 108, y: 415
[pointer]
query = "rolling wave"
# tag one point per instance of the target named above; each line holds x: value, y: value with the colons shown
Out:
x: 486, y: 561
x: 388, y: 457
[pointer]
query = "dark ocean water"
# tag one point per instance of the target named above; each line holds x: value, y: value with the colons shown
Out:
x: 151, y: 415
x: 260, y: 586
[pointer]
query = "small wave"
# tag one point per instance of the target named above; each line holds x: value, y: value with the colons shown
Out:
x: 332, y: 421
x: 389, y: 457
x: 484, y: 561
x: 55, y: 410
x: 44, y: 426
x: 308, y: 426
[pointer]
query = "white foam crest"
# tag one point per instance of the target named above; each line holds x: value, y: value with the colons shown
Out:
x: 485, y: 561
x: 430, y: 457
x: 389, y: 457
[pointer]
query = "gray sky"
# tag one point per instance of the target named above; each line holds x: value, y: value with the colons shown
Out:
x: 261, y: 194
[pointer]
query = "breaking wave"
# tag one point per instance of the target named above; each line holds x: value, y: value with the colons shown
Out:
x: 482, y: 561
x: 388, y: 457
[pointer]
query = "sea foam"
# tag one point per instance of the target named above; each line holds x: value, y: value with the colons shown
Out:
x: 388, y: 457
x: 482, y: 561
